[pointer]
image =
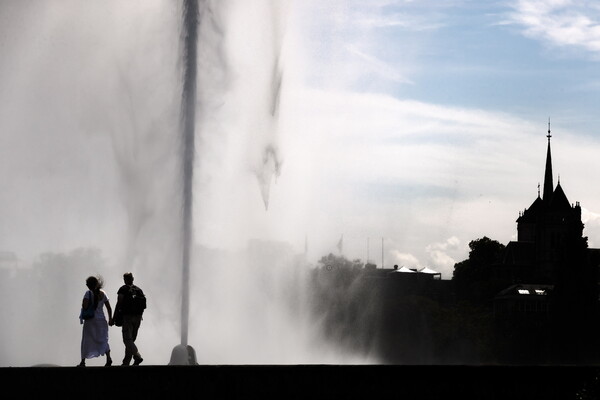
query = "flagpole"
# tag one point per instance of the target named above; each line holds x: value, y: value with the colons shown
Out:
x: 382, y: 253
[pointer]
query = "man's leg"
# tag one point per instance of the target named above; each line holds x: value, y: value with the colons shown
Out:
x: 129, y: 334
x: 135, y: 322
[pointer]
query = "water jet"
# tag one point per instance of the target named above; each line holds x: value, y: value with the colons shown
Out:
x: 184, y: 354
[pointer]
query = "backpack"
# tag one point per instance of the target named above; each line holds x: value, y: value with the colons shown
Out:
x: 134, y: 302
x: 90, y: 311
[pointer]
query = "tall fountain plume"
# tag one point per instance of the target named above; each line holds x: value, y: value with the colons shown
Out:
x: 251, y: 301
x: 188, y: 119
x: 105, y: 98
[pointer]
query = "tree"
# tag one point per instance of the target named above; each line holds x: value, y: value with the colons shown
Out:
x: 342, y: 302
x: 473, y: 277
x: 332, y: 262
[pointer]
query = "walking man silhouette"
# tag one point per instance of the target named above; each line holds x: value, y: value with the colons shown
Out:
x: 131, y: 303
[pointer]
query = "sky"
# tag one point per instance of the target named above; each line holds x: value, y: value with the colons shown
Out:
x: 436, y: 118
x: 409, y: 128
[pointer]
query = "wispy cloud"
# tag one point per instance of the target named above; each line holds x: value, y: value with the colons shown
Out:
x: 561, y: 23
x: 400, y: 20
x: 378, y: 67
x: 355, y: 37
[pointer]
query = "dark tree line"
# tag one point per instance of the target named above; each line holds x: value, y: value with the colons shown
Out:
x: 394, y: 318
x: 401, y: 321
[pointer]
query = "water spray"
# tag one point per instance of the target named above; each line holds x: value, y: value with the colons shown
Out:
x: 184, y: 354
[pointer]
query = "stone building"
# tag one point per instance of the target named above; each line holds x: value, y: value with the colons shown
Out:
x: 545, y: 231
x: 550, y: 276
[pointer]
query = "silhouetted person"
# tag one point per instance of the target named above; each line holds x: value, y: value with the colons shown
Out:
x: 94, y: 340
x: 131, y: 303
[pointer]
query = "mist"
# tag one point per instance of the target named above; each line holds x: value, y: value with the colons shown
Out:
x: 90, y: 165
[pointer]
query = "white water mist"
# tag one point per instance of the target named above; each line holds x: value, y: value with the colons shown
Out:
x: 93, y: 127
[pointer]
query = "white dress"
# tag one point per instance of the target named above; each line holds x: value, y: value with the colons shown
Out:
x: 94, y: 340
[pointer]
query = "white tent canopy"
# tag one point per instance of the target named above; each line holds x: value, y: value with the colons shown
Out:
x: 426, y: 270
x: 405, y: 269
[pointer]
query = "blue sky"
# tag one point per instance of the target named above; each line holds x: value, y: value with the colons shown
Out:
x: 490, y: 55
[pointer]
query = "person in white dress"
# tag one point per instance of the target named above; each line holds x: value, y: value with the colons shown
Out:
x: 94, y: 339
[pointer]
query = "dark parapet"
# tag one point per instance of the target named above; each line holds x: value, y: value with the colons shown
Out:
x: 307, y: 382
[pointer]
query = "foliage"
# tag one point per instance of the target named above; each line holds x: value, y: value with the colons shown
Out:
x: 474, y: 278
x: 332, y: 262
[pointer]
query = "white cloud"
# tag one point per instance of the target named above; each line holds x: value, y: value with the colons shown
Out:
x: 441, y: 260
x: 405, y: 259
x: 439, y: 254
x: 562, y: 23
x: 589, y: 217
x: 451, y: 243
x: 591, y: 221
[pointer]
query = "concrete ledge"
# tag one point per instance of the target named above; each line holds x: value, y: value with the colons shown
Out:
x: 306, y: 381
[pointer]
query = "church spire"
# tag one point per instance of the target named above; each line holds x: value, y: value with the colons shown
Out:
x: 548, y: 184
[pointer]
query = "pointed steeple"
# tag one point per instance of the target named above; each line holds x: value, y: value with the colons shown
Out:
x: 548, y: 184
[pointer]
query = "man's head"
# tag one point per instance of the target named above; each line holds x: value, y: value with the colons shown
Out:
x: 128, y: 278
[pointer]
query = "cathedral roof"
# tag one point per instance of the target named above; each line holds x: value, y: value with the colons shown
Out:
x: 548, y: 185
x: 552, y: 199
x: 531, y: 214
x: 559, y: 200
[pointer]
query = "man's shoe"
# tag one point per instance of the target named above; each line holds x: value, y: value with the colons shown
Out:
x: 138, y: 361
